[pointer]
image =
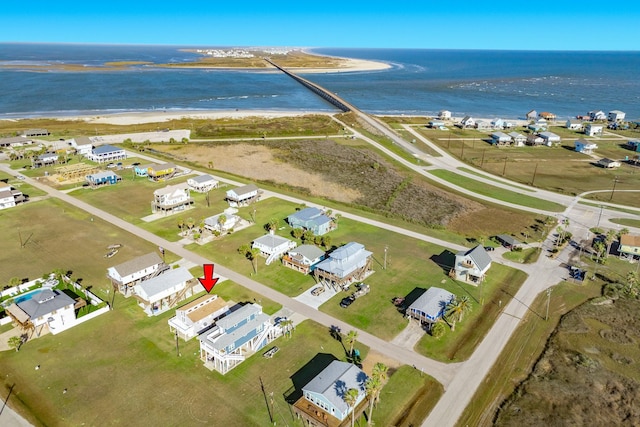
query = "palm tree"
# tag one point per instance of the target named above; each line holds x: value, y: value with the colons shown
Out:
x: 632, y: 279
x: 190, y: 222
x: 288, y: 326
x: 351, y: 340
x: 351, y: 397
x: 600, y: 249
x: 297, y: 233
x: 254, y: 258
x: 456, y: 309
x: 181, y: 225
x: 609, y: 237
x: 623, y: 232
x: 272, y: 225
x: 372, y: 387
x: 222, y: 218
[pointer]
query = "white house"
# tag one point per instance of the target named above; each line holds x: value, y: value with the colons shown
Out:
x: 550, y: 138
x: 303, y: 258
x: 574, y: 124
x: 124, y: 276
x: 48, y: 308
x: 272, y: 246
x: 534, y: 140
x: 593, y: 130
x: 434, y: 124
x: 468, y: 122
x: 616, y: 116
x: 500, y: 138
x: 202, y: 183
x: 348, y: 263
x: 243, y: 196
x: 106, y: 153
x: 597, y: 115
x: 9, y: 197
x: 609, y: 164
x: 172, y: 198
x: 483, y: 125
x: 162, y: 292
x: 215, y: 223
x: 444, y: 115
x: 518, y: 139
x: 532, y: 115
x: 200, y: 314
x: 235, y: 337
x: 82, y: 145
x: 497, y: 123
x: 326, y: 393
x: 586, y: 147
x: 472, y: 265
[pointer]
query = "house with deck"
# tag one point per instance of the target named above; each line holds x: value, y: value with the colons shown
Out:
x: 483, y: 125
x: 574, y: 124
x: 106, y: 153
x: 162, y: 292
x: 82, y: 145
x: 597, y: 115
x: 617, y: 116
x: 534, y: 140
x: 323, y: 398
x: 593, y: 130
x: 272, y: 246
x: 101, y: 178
x: 223, y: 221
x: 435, y: 124
x: 15, y: 141
x: 532, y: 115
x: 235, y: 337
x: 172, y: 198
x: 518, y: 139
x: 497, y: 123
x: 46, y: 159
x: 444, y: 115
x: 311, y: 219
x: 243, y: 196
x: 430, y: 306
x: 467, y: 122
x: 547, y: 115
x: 124, y: 276
x: 10, y: 197
x: 550, y: 138
x: 584, y: 146
x: 202, y: 183
x: 34, y: 132
x: 48, y: 308
x: 500, y: 139
x: 633, y: 145
x: 629, y: 246
x: 303, y: 258
x: 472, y: 265
x: 348, y: 263
x: 608, y: 163
x: 194, y: 318
x: 163, y: 172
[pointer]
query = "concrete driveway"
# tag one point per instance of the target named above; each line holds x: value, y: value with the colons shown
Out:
x: 313, y: 300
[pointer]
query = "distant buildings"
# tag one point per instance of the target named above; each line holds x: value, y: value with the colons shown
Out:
x: 585, y: 147
x: 10, y: 197
x: 593, y: 130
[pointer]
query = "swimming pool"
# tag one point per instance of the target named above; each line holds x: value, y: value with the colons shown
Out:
x: 27, y: 296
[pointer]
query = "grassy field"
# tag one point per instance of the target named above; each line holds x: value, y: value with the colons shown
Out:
x: 522, y: 351
x: 559, y: 169
x: 27, y: 190
x: 525, y: 256
x: 626, y: 221
x: 124, y: 357
x: 497, y: 192
x: 58, y: 235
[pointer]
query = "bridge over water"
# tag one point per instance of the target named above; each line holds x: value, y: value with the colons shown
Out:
x: 331, y: 98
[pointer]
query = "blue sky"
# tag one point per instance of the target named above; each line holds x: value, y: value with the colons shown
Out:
x: 555, y: 25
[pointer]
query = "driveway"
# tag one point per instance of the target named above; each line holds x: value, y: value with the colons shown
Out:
x: 315, y: 301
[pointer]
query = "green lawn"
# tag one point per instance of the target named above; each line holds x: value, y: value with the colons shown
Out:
x: 626, y: 221
x: 496, y: 292
x: 525, y: 256
x: 497, y: 192
x: 27, y: 190
x: 58, y: 235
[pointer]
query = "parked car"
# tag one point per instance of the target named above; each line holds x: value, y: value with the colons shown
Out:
x: 362, y: 289
x: 347, y: 301
x: 489, y: 248
x: 317, y: 291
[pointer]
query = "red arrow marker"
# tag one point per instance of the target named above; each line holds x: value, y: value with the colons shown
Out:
x: 208, y: 282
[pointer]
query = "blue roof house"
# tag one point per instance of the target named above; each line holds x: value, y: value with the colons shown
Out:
x: 235, y: 337
x: 348, y: 263
x: 102, y: 178
x: 326, y: 391
x: 312, y: 219
x: 106, y: 153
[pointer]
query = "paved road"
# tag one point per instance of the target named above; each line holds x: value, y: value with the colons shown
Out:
x: 440, y: 371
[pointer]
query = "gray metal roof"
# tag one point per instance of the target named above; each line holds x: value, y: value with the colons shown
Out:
x: 245, y: 189
x: 308, y: 251
x: 509, y: 240
x: 312, y: 214
x: 345, y: 259
x: 102, y: 174
x: 44, y: 302
x: 244, y: 331
x: 165, y: 281
x: 479, y: 256
x: 433, y: 301
x: 238, y: 315
x: 137, y: 264
x: 271, y: 240
x: 104, y: 149
x: 334, y: 381
x: 201, y: 179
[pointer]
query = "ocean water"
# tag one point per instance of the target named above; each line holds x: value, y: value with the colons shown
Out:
x: 480, y: 83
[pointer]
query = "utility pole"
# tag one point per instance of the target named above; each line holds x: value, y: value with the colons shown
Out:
x: 504, y: 169
x: 177, y: 346
x: 462, y: 151
x: 482, y: 161
x: 385, y: 256
x: 534, y: 175
x: 615, y: 181
x: 599, y: 216
x: 546, y: 317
